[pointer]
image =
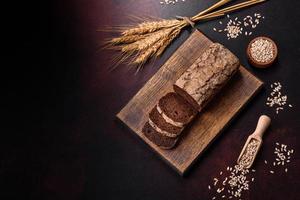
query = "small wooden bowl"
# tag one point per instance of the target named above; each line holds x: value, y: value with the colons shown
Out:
x: 256, y: 63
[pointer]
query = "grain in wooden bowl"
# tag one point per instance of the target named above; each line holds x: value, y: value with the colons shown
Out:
x: 262, y: 52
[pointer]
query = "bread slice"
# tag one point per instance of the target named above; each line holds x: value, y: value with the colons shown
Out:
x: 167, y: 120
x: 202, y: 80
x: 158, y: 139
x: 175, y: 109
x: 161, y: 125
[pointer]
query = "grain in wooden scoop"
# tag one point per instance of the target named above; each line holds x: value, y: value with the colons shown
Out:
x: 253, y: 143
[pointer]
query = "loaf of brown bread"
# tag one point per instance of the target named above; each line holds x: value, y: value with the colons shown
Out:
x: 202, y: 80
x: 194, y: 89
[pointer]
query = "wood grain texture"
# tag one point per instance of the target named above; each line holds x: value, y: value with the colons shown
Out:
x: 209, y: 123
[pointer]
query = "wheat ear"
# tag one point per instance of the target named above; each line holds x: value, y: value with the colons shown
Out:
x: 126, y: 39
x: 148, y: 41
x: 149, y: 27
x: 173, y: 35
x: 147, y: 53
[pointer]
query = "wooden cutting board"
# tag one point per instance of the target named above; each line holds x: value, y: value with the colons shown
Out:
x: 209, y: 123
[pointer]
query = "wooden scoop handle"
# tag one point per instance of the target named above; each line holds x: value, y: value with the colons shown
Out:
x: 262, y: 125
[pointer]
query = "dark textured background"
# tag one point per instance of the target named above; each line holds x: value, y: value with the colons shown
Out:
x: 60, y: 138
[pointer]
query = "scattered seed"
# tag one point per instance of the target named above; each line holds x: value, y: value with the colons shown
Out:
x: 167, y: 2
x: 216, y: 181
x: 276, y: 99
x: 235, y: 183
x: 234, y: 27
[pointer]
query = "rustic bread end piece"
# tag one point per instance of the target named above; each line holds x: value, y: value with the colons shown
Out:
x: 162, y: 141
x: 159, y: 123
x: 207, y: 75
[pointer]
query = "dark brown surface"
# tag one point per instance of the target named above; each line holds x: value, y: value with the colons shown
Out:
x: 209, y: 123
x: 59, y: 138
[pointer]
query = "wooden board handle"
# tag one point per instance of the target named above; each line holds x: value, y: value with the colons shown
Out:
x: 262, y: 125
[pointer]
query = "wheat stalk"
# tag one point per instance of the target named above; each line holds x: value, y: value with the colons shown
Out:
x: 150, y: 27
x: 167, y: 42
x: 126, y: 39
x: 148, y: 41
x: 151, y: 38
x: 153, y: 48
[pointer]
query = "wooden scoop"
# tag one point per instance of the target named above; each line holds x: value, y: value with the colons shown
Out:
x: 253, y: 143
